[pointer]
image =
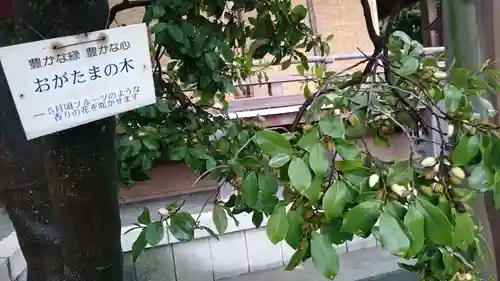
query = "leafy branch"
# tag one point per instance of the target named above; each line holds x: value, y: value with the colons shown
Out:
x: 334, y: 186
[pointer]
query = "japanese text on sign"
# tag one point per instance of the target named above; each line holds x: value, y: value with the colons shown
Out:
x: 69, y: 81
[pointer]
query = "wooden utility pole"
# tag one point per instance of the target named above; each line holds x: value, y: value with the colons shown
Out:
x: 60, y: 190
x: 468, y: 33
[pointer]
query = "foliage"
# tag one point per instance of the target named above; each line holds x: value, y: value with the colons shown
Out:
x: 333, y: 186
x: 200, y: 39
x: 407, y: 20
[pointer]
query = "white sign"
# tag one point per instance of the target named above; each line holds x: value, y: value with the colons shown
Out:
x: 70, y: 81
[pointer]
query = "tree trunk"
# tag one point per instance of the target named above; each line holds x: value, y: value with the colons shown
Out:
x: 60, y: 190
x: 466, y: 41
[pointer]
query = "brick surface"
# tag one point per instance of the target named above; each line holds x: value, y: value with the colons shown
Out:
x: 193, y: 261
x: 262, y: 254
x: 4, y: 270
x: 229, y: 255
x: 154, y: 264
x: 23, y: 276
x: 17, y: 264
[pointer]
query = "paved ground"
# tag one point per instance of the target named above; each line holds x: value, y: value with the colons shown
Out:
x: 364, y: 265
x: 6, y: 227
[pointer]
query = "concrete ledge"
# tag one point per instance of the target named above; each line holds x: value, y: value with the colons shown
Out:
x: 241, y: 250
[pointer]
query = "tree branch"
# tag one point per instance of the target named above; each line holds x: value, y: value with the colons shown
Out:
x: 372, y: 33
x: 378, y: 44
x: 125, y: 5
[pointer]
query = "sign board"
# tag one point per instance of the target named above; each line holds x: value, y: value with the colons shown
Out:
x: 65, y: 82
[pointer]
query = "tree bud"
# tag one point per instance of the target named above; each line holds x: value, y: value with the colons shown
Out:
x: 458, y: 173
x: 429, y: 162
x: 163, y: 212
x: 373, y: 180
x: 440, y: 75
x: 451, y: 130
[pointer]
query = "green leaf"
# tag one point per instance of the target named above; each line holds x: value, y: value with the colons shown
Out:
x: 361, y: 219
x: 299, y: 173
x: 408, y: 66
x: 139, y: 245
x: 453, y: 97
x: 286, y: 64
x: 490, y: 109
x: 210, y: 232
x: 318, y: 159
x: 381, y: 141
x: 211, y: 60
x: 159, y: 27
x: 151, y: 144
x: 175, y: 32
x: 145, y: 217
x: 299, y: 13
x: 492, y: 162
x: 332, y: 126
x: 313, y: 193
x: 324, y: 256
x: 257, y: 219
x: 182, y: 226
x: 414, y: 221
x: 158, y: 11
x: 268, y: 182
x: 298, y: 256
x: 332, y: 231
x: 463, y: 234
x: 295, y: 232
x: 347, y: 150
x: 437, y: 228
x: 309, y: 139
x: 177, y: 153
x: 219, y: 217
x: 279, y: 160
x: 392, y: 235
x: 273, y: 143
x: 154, y: 233
x: 466, y: 150
x: 277, y: 225
x: 256, y: 44
x: 400, y: 173
x: 250, y: 189
x: 335, y: 199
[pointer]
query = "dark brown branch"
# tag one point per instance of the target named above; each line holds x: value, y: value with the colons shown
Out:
x: 378, y: 44
x: 372, y: 33
x: 125, y: 5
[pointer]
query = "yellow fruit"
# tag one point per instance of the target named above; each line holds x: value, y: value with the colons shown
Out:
x: 438, y: 188
x: 373, y: 180
x: 307, y: 128
x: 458, y: 192
x: 427, y: 190
x: 440, y: 75
x: 430, y: 174
x: 398, y: 189
x: 436, y: 168
x: 458, y: 173
x: 443, y: 199
x: 429, y: 162
x: 455, y: 180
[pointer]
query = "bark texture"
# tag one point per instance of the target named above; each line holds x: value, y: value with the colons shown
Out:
x: 60, y: 190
